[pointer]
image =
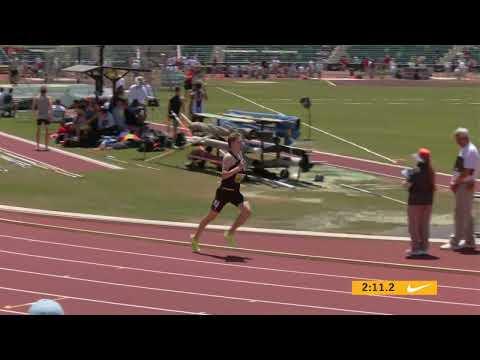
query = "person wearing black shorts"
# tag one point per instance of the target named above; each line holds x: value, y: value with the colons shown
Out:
x: 233, y: 172
x: 42, y: 107
x: 175, y: 105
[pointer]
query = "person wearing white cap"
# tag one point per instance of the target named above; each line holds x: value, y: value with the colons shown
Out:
x: 46, y: 307
x: 137, y: 91
x: 463, y: 185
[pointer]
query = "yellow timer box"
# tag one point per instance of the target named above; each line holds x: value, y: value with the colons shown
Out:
x: 395, y: 287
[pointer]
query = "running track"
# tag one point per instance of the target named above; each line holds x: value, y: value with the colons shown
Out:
x: 60, y: 158
x: 92, y: 273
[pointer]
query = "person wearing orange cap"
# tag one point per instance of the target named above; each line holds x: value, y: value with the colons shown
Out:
x: 421, y: 187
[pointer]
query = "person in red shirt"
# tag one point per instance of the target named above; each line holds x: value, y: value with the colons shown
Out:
x: 188, y: 80
x: 365, y: 64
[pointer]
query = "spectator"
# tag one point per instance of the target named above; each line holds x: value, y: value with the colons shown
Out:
x: 42, y: 108
x: 198, y: 96
x: 138, y: 91
x: 135, y: 115
x: 2, y: 94
x: 120, y: 83
x: 343, y: 62
x: 463, y: 185
x: 105, y: 122
x: 9, y: 107
x: 176, y: 105
x: 58, y: 111
x: 119, y: 115
x: 365, y: 64
x: 80, y: 123
x: 13, y: 70
x: 421, y: 187
x: 319, y: 68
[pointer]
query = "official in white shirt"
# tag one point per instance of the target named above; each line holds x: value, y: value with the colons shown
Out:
x: 463, y: 185
x: 138, y: 91
x: 120, y: 82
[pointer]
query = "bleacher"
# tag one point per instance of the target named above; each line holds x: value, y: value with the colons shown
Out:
x: 204, y: 53
x: 3, y: 57
x: 474, y: 51
x: 401, y: 53
x: 285, y: 53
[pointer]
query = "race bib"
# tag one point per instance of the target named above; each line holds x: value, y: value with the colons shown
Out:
x: 239, y: 178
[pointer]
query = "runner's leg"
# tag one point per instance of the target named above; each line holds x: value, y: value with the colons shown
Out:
x: 37, y: 137
x: 205, y: 221
x: 245, y: 212
x: 46, y: 136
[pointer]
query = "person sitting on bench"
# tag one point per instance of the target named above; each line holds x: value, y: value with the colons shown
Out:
x: 8, y: 105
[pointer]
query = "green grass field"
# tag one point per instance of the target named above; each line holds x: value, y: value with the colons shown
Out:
x: 393, y: 121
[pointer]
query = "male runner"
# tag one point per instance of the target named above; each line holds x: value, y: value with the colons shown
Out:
x: 233, y: 172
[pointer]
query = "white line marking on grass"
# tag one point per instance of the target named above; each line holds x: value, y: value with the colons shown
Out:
x: 208, y: 262
x: 317, y: 129
x: 246, y: 99
x: 397, y: 103
x: 350, y: 143
x: 131, y: 286
x: 330, y: 83
x: 67, y: 153
x: 357, y: 103
x: 96, y: 300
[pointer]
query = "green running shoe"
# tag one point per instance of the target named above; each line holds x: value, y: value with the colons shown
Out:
x: 195, y: 247
x: 230, y: 238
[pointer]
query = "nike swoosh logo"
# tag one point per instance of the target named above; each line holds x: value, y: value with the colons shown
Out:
x: 415, y: 289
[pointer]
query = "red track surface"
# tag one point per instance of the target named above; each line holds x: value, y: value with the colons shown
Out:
x: 108, y: 274
x: 54, y: 158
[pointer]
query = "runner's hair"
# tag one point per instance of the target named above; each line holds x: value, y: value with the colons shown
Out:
x: 232, y: 137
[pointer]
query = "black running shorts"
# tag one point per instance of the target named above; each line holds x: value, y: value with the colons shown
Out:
x: 223, y: 197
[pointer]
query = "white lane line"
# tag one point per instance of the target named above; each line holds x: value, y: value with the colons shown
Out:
x: 130, y: 286
x: 70, y: 215
x: 248, y: 250
x: 316, y: 129
x: 98, y: 301
x: 214, y: 278
x: 205, y: 262
x: 9, y: 307
x: 246, y: 99
x: 67, y: 153
x: 370, y: 161
x: 13, y: 312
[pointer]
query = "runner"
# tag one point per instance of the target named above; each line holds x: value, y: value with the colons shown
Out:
x: 233, y: 172
x: 42, y: 108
